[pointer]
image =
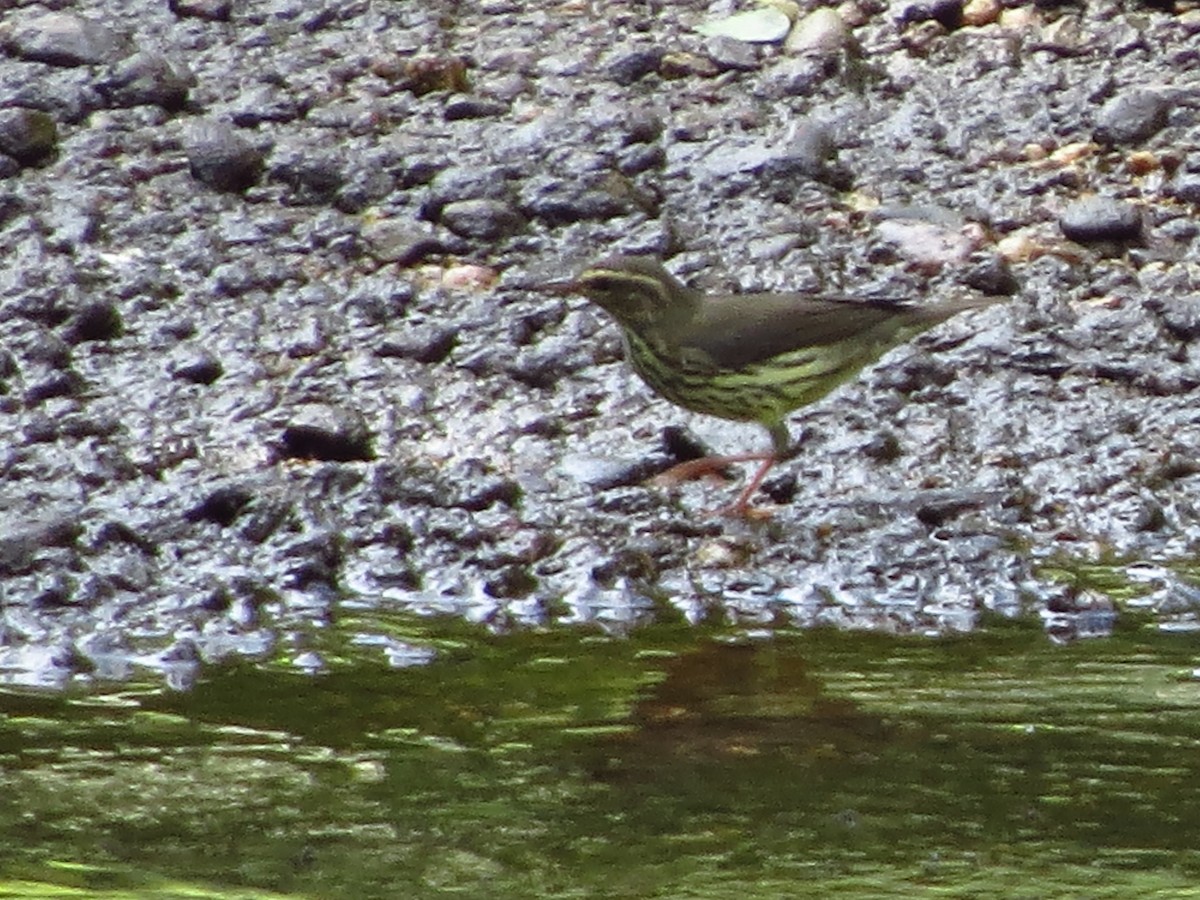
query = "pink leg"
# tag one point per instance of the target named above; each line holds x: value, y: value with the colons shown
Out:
x: 741, y: 507
x: 712, y: 465
x: 707, y: 465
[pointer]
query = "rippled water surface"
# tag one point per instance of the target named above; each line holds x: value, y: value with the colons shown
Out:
x: 674, y: 763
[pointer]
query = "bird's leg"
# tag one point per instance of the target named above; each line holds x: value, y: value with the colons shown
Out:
x: 714, y: 465
x: 707, y: 465
x: 780, y: 449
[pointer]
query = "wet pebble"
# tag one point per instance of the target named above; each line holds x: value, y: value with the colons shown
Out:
x: 221, y: 158
x: 29, y: 136
x: 212, y: 10
x: 401, y: 242
x: 729, y: 54
x: 196, y: 366
x: 221, y: 506
x: 327, y: 432
x: 472, y: 108
x: 820, y: 33
x: 1186, y: 188
x: 22, y: 541
x: 148, y: 78
x: 1096, y: 219
x: 1132, y: 117
x: 991, y: 275
x: 1180, y: 314
x: 486, y: 220
x: 62, y: 39
x: 555, y: 201
x: 627, y: 66
x: 427, y: 344
x: 99, y: 320
x: 465, y: 183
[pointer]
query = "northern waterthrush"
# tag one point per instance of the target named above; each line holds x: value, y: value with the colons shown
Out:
x: 746, y: 357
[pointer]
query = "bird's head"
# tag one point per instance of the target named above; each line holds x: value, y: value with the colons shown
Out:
x: 635, y: 290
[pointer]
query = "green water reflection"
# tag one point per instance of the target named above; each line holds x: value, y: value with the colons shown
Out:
x: 670, y: 764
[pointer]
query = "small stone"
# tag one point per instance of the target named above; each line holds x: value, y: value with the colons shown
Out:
x: 61, y: 39
x: 196, y: 366
x: 632, y: 66
x: 1186, y: 188
x: 212, y: 10
x: 486, y: 220
x: 464, y: 183
x: 472, y: 108
x: 765, y: 25
x: 926, y: 244
x: 993, y: 276
x: 148, y: 79
x: 682, y: 64
x: 468, y: 277
x: 1180, y: 315
x: 1096, y: 219
x: 424, y: 344
x: 223, y: 159
x: 821, y: 33
x: 402, y: 243
x: 99, y: 320
x: 221, y: 507
x: 977, y: 13
x: 1131, y: 118
x: 326, y: 432
x: 27, y: 135
x: 730, y: 55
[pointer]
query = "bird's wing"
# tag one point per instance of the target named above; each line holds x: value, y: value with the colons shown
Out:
x: 745, y: 329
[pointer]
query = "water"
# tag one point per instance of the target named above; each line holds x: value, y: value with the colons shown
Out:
x: 677, y: 762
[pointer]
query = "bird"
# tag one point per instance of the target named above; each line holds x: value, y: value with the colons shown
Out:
x: 745, y: 357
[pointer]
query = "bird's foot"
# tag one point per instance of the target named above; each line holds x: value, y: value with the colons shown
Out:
x: 706, y: 467
x: 740, y: 508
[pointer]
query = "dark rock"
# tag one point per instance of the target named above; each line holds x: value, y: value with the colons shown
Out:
x: 212, y: 10
x: 629, y: 66
x: 196, y: 366
x: 992, y: 275
x: 221, y: 507
x: 562, y: 202
x: 641, y: 158
x: 20, y: 541
x: 1096, y: 219
x: 400, y: 242
x: 48, y: 348
x: 313, y: 178
x: 465, y: 183
x: 1132, y: 118
x: 640, y: 127
x: 472, y: 108
x: 486, y: 220
x: 1185, y: 187
x: 62, y: 39
x: 57, y: 384
x: 326, y: 432
x: 223, y: 159
x: 27, y: 135
x: 511, y: 582
x: 1180, y: 314
x: 99, y: 320
x: 423, y: 344
x: 148, y: 79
